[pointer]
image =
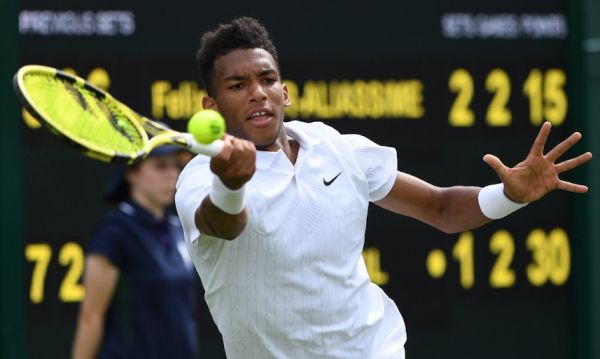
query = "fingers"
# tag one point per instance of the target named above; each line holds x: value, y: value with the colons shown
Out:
x: 562, y: 147
x: 495, y: 163
x: 227, y: 147
x: 572, y: 187
x: 540, y: 141
x: 236, y: 163
x: 573, y: 162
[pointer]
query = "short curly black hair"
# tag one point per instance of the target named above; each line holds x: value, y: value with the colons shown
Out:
x: 241, y: 33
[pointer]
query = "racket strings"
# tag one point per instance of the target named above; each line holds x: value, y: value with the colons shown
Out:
x: 83, y: 115
x: 116, y: 121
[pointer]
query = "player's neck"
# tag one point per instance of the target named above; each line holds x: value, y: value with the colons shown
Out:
x: 289, y: 146
x: 283, y: 142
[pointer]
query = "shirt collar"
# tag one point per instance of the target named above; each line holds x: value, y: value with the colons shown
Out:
x: 133, y: 209
x: 264, y: 159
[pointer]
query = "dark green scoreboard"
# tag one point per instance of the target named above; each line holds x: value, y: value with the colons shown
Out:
x: 442, y: 82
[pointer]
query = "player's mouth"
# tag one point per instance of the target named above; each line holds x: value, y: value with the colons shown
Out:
x: 260, y: 118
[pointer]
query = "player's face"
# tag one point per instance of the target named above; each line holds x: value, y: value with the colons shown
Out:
x: 153, y: 182
x: 250, y: 95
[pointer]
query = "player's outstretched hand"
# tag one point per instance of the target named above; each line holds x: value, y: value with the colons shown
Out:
x: 236, y: 162
x: 538, y: 174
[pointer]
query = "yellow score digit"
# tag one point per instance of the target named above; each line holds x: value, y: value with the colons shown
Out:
x: 39, y: 254
x: 559, y: 242
x: 461, y: 83
x: 372, y: 258
x: 498, y: 83
x: 502, y: 244
x: 532, y: 88
x: 71, y: 255
x: 463, y: 253
x: 555, y: 96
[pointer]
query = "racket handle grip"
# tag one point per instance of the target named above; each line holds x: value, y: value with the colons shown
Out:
x: 210, y: 149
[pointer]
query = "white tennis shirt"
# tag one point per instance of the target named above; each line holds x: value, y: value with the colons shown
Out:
x: 294, y: 284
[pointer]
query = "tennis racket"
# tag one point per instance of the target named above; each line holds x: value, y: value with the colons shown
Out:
x: 92, y: 120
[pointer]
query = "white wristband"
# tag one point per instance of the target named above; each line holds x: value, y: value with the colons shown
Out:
x: 494, y: 204
x: 229, y: 201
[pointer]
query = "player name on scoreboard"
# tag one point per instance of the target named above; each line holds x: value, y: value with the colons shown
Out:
x: 542, y: 90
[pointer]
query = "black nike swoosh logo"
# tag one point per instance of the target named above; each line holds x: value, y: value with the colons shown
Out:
x: 327, y: 183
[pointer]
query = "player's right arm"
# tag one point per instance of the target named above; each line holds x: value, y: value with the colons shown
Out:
x: 234, y: 166
x: 100, y: 281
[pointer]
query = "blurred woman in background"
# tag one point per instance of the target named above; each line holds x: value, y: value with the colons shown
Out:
x: 140, y: 283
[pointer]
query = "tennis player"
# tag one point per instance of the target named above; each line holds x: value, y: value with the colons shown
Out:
x: 275, y: 223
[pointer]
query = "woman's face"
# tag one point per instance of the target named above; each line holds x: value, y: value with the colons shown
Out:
x: 153, y: 180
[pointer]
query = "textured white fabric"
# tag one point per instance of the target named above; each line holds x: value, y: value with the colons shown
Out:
x: 229, y: 201
x: 494, y: 204
x: 294, y: 284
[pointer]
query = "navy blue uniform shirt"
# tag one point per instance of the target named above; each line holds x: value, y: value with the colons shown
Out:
x: 152, y: 314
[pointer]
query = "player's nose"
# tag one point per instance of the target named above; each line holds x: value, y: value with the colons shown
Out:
x: 257, y: 92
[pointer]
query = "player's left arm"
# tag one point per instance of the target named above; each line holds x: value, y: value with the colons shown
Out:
x: 456, y: 209
x: 450, y: 210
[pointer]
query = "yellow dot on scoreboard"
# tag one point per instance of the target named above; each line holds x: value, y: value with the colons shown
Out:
x: 436, y: 263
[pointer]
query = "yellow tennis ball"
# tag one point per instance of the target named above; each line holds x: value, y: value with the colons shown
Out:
x: 206, y: 126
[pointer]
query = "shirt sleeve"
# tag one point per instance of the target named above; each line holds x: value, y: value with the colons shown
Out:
x: 377, y: 163
x: 109, y: 242
x: 193, y: 185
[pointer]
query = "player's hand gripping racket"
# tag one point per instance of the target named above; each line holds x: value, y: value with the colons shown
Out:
x: 96, y: 123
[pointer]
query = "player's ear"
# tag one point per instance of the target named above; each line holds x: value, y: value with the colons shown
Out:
x: 287, y: 101
x: 208, y: 103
